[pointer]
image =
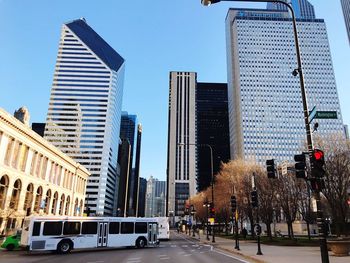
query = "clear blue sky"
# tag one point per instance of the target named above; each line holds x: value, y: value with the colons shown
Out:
x: 154, y: 37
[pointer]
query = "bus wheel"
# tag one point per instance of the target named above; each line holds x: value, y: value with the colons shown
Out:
x: 141, y: 242
x: 64, y: 247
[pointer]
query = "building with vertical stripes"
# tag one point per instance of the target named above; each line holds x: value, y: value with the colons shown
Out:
x: 181, y: 163
x: 83, y: 118
x: 346, y: 11
x: 302, y: 8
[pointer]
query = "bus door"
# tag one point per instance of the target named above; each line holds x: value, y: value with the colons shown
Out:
x: 102, y: 234
x: 152, y: 233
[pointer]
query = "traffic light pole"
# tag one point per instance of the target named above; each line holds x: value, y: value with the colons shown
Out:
x: 236, y: 232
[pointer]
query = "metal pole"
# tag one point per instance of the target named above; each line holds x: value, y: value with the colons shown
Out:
x: 237, y: 240
x: 212, y: 187
x: 206, y: 207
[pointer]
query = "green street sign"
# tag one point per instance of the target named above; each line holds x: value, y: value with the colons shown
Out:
x: 326, y: 115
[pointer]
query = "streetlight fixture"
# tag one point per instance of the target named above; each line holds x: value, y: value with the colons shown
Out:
x: 212, y: 177
x: 206, y: 205
x: 298, y: 71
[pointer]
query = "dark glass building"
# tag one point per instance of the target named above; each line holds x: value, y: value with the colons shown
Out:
x: 212, y: 127
x: 39, y: 128
x: 142, y: 197
x: 131, y: 132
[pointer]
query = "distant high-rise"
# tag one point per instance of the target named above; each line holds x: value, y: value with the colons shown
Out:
x: 181, y: 163
x: 265, y: 106
x: 211, y: 128
x: 128, y: 131
x: 132, y: 132
x: 142, y: 197
x: 155, y: 198
x: 302, y: 8
x: 136, y: 172
x: 84, y: 113
x: 346, y: 11
x: 346, y: 131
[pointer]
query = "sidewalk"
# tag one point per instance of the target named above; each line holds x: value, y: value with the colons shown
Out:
x: 272, y: 254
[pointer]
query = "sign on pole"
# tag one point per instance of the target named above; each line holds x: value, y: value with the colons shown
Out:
x: 326, y: 115
x: 284, y: 168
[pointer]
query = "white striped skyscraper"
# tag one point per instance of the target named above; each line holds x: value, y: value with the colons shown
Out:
x: 346, y: 11
x: 181, y: 166
x: 265, y: 105
x: 84, y: 113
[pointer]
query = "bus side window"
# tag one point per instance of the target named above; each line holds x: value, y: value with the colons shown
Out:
x: 71, y: 228
x: 127, y: 228
x: 114, y: 228
x: 89, y: 228
x: 36, y: 229
x: 52, y: 229
x: 140, y: 228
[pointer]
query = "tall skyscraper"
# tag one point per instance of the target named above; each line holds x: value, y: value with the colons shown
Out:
x: 302, y: 8
x: 181, y: 163
x: 265, y: 106
x: 85, y: 110
x: 211, y: 128
x: 346, y: 11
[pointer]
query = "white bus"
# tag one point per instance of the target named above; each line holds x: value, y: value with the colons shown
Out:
x: 164, y: 229
x: 62, y: 234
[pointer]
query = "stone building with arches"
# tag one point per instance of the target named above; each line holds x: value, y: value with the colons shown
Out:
x: 36, y: 178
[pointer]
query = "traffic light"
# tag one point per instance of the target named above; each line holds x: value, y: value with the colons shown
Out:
x: 317, y: 162
x: 300, y: 165
x: 233, y: 203
x: 254, y: 195
x: 317, y: 184
x: 211, y: 210
x: 271, y: 169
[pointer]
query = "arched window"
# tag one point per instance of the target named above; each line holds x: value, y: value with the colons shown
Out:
x: 54, y: 203
x: 15, y: 194
x: 38, y: 198
x: 61, y: 209
x: 47, y: 201
x: 76, y: 207
x: 28, y: 199
x: 81, y: 208
x: 4, y: 185
x: 67, y: 206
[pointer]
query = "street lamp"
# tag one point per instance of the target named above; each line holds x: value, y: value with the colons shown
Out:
x: 212, y: 176
x: 320, y: 219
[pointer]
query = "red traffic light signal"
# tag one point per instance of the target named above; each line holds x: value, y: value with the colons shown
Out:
x: 318, y: 155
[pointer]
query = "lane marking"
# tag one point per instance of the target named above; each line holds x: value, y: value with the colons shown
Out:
x: 162, y: 255
x: 184, y: 245
x: 164, y: 258
x: 95, y: 261
x: 187, y: 255
x: 230, y: 256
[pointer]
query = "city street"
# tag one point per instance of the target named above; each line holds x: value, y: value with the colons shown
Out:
x: 178, y: 249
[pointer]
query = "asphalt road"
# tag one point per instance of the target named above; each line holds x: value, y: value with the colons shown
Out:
x: 178, y: 249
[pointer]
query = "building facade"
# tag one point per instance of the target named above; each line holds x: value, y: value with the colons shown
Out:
x: 83, y: 118
x: 155, y: 198
x: 346, y: 11
x: 181, y: 163
x: 265, y: 107
x: 302, y: 8
x: 36, y: 178
x: 211, y: 129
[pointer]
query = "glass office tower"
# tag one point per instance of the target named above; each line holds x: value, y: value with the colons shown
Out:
x: 265, y: 106
x: 346, y: 11
x: 83, y: 118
